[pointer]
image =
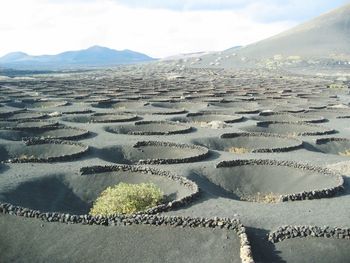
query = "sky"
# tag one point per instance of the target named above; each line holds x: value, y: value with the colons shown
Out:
x: 158, y: 28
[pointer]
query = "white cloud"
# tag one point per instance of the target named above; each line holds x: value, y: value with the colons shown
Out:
x: 40, y: 26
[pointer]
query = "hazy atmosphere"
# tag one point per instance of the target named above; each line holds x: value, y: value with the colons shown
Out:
x: 188, y: 131
x: 156, y: 28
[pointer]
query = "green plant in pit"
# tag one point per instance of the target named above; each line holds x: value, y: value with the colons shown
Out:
x: 345, y: 153
x: 267, y: 198
x: 25, y: 157
x: 292, y: 134
x: 126, y: 198
x: 338, y: 86
x: 238, y: 150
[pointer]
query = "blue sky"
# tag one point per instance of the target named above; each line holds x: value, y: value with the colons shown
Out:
x: 156, y: 27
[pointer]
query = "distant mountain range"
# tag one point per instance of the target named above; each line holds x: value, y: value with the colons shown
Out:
x: 95, y: 56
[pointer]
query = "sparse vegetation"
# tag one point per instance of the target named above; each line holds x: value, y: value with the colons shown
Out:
x: 201, y: 123
x: 126, y: 198
x: 267, y: 198
x: 345, y: 153
x: 211, y: 124
x: 25, y: 157
x: 338, y: 86
x: 292, y: 134
x: 238, y: 150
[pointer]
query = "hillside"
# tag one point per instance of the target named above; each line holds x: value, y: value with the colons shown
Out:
x: 321, y: 41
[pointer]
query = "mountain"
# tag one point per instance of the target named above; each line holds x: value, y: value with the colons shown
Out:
x: 14, y: 56
x: 325, y: 39
x: 324, y: 36
x: 95, y: 56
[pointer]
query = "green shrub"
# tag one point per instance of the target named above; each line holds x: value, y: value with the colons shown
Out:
x: 127, y: 199
x: 345, y: 153
x: 238, y: 150
x: 338, y: 86
x: 267, y: 198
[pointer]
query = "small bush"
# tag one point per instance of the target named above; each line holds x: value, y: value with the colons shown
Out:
x: 201, y: 123
x: 267, y: 198
x: 345, y: 153
x: 25, y: 157
x: 292, y: 134
x: 126, y: 199
x: 238, y: 150
x: 338, y: 86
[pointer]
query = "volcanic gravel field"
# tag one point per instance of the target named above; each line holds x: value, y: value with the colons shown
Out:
x: 254, y: 165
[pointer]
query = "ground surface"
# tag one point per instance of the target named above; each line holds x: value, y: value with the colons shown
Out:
x: 28, y: 240
x: 22, y: 239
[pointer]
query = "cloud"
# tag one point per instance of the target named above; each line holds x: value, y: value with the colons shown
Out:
x: 259, y: 10
x: 177, y: 5
x: 183, y: 5
x: 290, y: 10
x: 152, y: 27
